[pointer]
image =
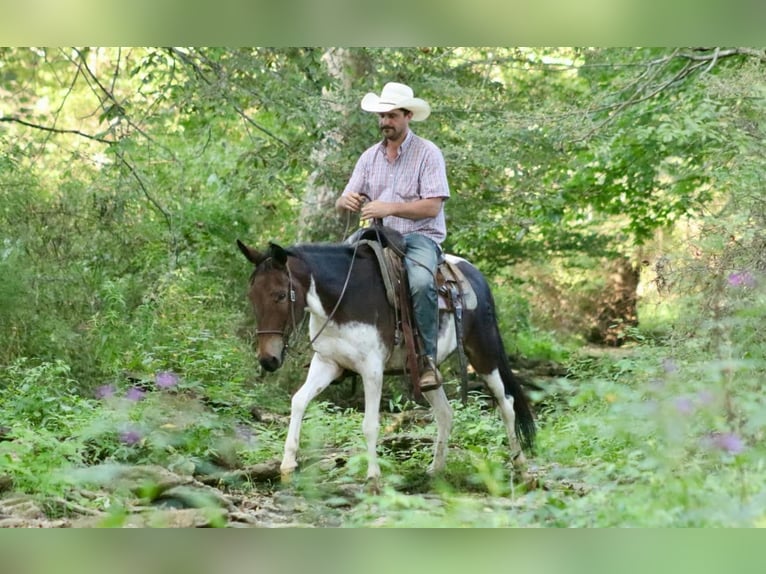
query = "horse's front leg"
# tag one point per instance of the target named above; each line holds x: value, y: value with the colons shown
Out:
x: 373, y: 389
x: 321, y: 373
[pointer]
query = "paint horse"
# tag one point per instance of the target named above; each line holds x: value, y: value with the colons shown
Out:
x: 353, y: 327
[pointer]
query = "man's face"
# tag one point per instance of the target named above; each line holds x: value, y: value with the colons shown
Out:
x: 394, y: 124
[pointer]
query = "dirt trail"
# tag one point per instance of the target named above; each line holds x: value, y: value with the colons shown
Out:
x: 164, y: 499
x: 245, y: 498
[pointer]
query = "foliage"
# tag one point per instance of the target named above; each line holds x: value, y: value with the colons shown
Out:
x: 126, y: 175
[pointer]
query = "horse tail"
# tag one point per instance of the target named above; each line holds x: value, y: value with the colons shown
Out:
x: 492, y: 341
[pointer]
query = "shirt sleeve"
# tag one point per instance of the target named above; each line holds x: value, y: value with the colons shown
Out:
x: 433, y: 175
x: 357, y: 183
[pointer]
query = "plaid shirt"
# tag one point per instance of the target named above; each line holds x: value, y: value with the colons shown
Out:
x: 417, y: 173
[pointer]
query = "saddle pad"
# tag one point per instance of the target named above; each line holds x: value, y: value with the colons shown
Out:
x: 449, y: 271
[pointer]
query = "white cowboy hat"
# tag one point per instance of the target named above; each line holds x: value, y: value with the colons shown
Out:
x: 396, y: 96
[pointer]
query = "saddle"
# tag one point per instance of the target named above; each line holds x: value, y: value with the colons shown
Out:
x: 453, y: 289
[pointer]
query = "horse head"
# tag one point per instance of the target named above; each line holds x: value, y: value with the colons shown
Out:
x: 277, y: 301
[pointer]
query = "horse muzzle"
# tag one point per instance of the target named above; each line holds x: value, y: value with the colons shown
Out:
x: 271, y: 352
x: 270, y: 363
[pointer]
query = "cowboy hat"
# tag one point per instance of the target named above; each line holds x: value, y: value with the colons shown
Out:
x: 396, y: 96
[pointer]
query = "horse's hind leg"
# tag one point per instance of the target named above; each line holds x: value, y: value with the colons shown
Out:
x: 321, y: 374
x: 443, y: 415
x: 505, y: 405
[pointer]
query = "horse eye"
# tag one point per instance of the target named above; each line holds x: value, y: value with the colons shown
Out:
x: 281, y: 296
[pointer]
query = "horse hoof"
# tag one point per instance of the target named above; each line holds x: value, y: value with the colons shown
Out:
x: 521, y: 475
x: 373, y: 485
x: 286, y: 476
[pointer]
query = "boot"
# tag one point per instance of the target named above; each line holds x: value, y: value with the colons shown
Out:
x: 430, y: 378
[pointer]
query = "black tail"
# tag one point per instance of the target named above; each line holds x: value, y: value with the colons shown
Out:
x: 491, y: 342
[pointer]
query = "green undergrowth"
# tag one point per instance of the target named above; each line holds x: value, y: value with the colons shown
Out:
x: 664, y: 431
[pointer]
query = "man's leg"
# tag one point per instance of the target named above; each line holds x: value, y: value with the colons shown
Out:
x: 421, y: 261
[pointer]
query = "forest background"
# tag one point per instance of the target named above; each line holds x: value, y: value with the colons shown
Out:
x: 613, y: 196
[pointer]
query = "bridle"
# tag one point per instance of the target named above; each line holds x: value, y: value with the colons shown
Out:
x: 295, y: 327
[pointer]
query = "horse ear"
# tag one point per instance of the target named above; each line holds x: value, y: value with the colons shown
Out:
x: 253, y: 256
x: 278, y: 254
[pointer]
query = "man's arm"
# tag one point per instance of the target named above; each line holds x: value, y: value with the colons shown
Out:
x: 351, y: 198
x: 419, y: 209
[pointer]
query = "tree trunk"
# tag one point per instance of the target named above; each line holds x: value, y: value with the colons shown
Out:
x: 319, y: 221
x: 617, y: 305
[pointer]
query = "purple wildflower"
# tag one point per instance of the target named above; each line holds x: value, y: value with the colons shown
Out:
x: 130, y: 437
x: 669, y: 365
x: 134, y: 394
x: 105, y: 392
x: 166, y: 379
x: 726, y: 442
x: 706, y: 397
x: 741, y: 279
x: 684, y: 405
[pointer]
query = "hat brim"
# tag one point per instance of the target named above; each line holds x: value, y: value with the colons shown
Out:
x: 419, y: 108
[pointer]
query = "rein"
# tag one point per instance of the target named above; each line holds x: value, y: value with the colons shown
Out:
x: 345, y: 283
x: 376, y: 223
x: 340, y: 297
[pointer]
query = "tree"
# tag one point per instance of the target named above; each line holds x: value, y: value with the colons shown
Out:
x: 166, y: 154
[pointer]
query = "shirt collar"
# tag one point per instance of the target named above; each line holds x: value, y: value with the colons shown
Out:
x: 402, y: 148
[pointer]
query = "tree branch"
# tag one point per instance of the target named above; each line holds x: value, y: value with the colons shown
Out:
x: 17, y: 120
x: 718, y: 53
x: 643, y: 87
x: 107, y: 95
x: 158, y: 206
x: 187, y: 59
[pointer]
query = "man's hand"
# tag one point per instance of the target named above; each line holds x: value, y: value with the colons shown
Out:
x: 377, y: 210
x: 350, y: 202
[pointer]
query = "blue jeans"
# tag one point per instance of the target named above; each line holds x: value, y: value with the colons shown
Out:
x: 421, y: 262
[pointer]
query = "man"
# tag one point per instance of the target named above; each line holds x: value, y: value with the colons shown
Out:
x: 405, y: 179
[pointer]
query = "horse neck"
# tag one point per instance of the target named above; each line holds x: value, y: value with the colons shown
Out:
x: 330, y: 269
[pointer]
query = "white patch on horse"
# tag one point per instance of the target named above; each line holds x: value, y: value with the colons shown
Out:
x: 447, y: 342
x: 313, y: 302
x: 355, y: 346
